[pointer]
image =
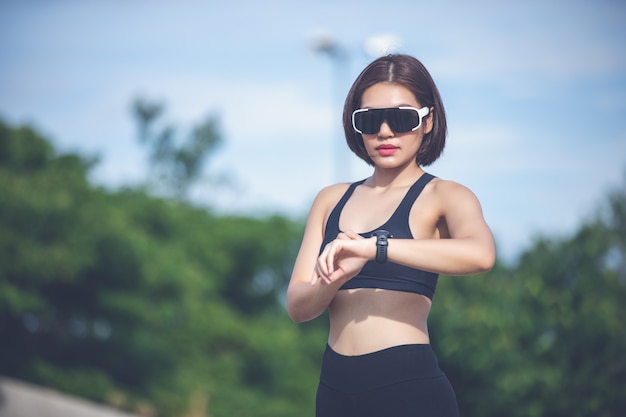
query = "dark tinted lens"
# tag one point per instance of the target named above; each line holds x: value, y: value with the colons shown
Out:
x: 369, y: 121
x: 399, y: 120
x: 402, y: 120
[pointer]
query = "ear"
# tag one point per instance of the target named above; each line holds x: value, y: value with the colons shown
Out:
x: 429, y: 121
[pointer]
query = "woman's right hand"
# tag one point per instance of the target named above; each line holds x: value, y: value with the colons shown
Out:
x: 343, y: 258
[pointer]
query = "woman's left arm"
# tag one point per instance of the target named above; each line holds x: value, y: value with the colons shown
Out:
x: 469, y: 247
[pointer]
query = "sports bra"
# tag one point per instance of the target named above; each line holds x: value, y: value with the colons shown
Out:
x: 388, y: 276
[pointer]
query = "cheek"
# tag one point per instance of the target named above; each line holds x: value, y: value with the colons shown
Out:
x: 370, y: 142
x: 415, y: 144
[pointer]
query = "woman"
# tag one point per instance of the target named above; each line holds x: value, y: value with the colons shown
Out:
x: 372, y: 251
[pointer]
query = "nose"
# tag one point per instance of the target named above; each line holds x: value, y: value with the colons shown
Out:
x: 385, y: 130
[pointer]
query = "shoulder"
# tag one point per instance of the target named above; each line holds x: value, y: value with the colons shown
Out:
x: 444, y: 188
x: 329, y: 196
x: 460, y: 212
x: 458, y: 206
x: 333, y: 191
x: 448, y: 192
x: 325, y: 200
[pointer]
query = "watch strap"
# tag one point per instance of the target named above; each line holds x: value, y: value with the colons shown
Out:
x: 382, y: 243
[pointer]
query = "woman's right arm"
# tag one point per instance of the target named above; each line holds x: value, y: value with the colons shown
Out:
x: 304, y: 300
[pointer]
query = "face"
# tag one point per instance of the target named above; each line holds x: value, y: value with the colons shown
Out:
x: 387, y: 148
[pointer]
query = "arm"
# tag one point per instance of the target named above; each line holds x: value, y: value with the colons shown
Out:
x: 306, y: 301
x: 464, y: 246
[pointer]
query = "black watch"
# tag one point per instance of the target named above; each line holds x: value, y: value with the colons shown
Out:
x: 382, y: 242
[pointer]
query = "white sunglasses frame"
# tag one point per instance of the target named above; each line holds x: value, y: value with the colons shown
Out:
x: 422, y: 112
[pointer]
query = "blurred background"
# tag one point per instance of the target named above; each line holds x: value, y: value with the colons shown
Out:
x: 158, y: 159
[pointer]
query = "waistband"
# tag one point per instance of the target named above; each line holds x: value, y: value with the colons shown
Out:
x: 352, y: 374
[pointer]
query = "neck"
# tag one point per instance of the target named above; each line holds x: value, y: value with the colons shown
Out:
x: 399, y: 177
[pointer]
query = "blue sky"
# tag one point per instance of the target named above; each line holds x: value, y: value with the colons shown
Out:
x: 535, y: 94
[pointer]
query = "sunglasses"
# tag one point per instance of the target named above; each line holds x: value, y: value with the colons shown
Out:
x: 399, y: 119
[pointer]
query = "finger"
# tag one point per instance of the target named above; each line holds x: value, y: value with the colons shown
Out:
x: 330, y: 257
x: 314, y: 279
x: 320, y: 265
x: 327, y: 280
x: 335, y: 275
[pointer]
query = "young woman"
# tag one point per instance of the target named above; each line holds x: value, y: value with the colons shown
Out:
x: 372, y: 251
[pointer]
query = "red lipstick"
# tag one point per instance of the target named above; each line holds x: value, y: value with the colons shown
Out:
x: 386, y: 150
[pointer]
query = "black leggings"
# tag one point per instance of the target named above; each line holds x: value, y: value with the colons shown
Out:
x: 401, y: 381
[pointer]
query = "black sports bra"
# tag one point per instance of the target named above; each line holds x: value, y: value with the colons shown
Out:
x: 388, y: 276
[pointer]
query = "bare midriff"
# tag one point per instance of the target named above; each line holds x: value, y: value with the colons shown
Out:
x: 367, y: 320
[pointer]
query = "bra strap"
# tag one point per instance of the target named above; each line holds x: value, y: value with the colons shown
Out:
x: 333, y: 219
x: 407, y: 202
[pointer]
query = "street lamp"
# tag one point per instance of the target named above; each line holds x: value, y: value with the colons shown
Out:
x: 381, y: 44
x: 373, y: 46
x: 326, y: 44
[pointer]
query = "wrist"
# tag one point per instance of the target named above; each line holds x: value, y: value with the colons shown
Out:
x: 371, y: 248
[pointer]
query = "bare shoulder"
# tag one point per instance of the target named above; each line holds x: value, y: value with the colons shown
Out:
x: 326, y: 200
x: 331, y: 194
x: 333, y: 190
x: 447, y: 191
x: 459, y: 208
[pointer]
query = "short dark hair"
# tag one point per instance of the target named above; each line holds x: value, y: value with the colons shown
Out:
x: 410, y: 73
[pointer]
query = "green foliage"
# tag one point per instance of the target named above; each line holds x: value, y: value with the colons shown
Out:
x: 163, y: 308
x: 546, y: 337
x: 146, y: 303
x: 175, y: 166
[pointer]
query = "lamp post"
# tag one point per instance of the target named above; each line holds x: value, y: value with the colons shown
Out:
x: 339, y: 57
x: 326, y: 44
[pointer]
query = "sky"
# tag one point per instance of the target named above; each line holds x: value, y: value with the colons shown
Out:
x: 535, y: 95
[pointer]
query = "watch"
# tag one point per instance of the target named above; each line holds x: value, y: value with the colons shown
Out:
x: 382, y: 242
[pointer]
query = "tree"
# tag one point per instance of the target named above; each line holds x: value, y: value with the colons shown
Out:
x: 175, y: 166
x: 544, y: 337
x: 164, y: 308
x: 131, y: 299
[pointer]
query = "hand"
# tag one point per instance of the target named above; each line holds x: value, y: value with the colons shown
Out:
x: 343, y: 258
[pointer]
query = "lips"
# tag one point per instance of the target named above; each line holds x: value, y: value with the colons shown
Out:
x: 386, y: 149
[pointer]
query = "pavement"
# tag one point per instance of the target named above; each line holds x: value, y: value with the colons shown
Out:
x: 21, y: 399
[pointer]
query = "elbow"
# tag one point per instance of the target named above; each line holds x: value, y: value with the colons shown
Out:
x: 295, y: 311
x: 485, y: 266
x: 303, y: 304
x: 486, y: 260
x: 298, y: 316
x: 294, y: 314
